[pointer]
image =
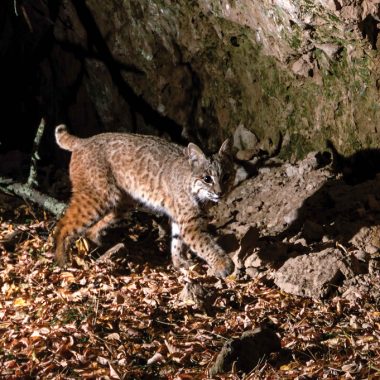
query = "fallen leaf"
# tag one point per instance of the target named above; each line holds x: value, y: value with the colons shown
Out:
x: 19, y: 302
x: 157, y: 357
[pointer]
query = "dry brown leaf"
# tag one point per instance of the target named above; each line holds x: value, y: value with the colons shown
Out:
x: 157, y: 357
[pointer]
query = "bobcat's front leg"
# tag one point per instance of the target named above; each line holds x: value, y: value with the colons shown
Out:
x: 203, y: 244
x: 178, y: 248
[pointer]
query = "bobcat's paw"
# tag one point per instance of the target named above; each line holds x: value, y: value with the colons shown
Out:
x: 222, y: 267
x: 60, y: 259
x: 181, y: 262
x: 61, y: 253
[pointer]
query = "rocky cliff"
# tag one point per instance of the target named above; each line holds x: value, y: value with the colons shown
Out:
x: 294, y: 72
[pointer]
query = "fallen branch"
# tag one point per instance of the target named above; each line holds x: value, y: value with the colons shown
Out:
x: 24, y: 191
x: 117, y: 248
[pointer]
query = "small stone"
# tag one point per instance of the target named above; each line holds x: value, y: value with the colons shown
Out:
x: 252, y: 272
x: 196, y: 295
x: 264, y: 170
x: 253, y: 261
x: 291, y: 171
x: 303, y: 66
x: 329, y: 49
x: 330, y: 4
x: 246, y: 154
x: 267, y: 256
x: 244, y: 139
x: 350, y: 12
x: 241, y: 175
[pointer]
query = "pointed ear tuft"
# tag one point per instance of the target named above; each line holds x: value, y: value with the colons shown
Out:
x: 226, y: 147
x: 194, y: 153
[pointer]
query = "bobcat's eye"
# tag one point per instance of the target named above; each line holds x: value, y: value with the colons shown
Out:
x: 207, y: 179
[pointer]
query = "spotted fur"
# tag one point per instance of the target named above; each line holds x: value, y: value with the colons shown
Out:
x: 112, y: 169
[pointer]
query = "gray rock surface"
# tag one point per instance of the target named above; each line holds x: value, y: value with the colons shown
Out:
x: 316, y: 274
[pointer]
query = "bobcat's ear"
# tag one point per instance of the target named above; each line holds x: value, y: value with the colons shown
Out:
x: 226, y: 148
x: 194, y: 153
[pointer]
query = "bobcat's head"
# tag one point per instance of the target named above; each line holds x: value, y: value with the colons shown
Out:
x: 212, y: 177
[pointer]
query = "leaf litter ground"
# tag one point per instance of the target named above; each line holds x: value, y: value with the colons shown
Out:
x: 123, y: 317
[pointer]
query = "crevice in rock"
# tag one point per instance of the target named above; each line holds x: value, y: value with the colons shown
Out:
x: 370, y: 30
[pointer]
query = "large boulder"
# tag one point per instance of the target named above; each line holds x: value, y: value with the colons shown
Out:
x: 317, y: 274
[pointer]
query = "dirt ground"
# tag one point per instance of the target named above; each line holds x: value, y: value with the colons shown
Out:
x: 305, y: 244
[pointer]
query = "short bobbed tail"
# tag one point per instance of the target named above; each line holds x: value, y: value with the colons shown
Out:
x: 64, y: 139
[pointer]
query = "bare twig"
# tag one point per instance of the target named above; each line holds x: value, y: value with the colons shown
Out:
x: 15, y: 7
x: 110, y: 252
x: 32, y: 179
x: 26, y: 17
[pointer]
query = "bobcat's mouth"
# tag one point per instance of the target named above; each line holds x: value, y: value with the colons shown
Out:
x: 214, y: 198
x: 204, y: 195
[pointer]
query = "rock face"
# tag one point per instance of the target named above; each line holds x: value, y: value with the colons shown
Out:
x: 292, y: 72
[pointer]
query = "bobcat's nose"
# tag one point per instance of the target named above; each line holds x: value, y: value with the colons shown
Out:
x: 214, y: 198
x: 218, y: 195
x: 218, y: 190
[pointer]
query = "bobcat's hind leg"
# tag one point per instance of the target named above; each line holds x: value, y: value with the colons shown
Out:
x: 95, y: 232
x: 118, y: 213
x: 83, y: 211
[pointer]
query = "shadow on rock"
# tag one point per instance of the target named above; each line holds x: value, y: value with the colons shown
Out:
x: 359, y: 167
x: 339, y: 211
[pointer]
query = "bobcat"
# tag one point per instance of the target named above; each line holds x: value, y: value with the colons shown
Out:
x: 112, y: 169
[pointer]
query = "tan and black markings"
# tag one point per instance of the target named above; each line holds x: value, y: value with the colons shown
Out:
x: 109, y: 170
